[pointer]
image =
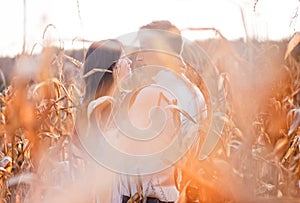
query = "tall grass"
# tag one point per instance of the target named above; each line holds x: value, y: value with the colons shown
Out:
x: 257, y: 159
x: 37, y: 126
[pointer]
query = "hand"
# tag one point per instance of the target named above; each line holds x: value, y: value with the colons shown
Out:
x: 124, y: 67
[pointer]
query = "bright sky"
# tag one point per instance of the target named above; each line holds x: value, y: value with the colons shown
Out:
x: 112, y: 18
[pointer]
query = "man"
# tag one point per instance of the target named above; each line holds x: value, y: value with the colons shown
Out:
x: 162, y: 47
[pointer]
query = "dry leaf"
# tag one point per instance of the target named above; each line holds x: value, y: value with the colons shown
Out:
x: 296, y: 121
x: 5, y: 161
x: 294, y: 41
x: 95, y: 70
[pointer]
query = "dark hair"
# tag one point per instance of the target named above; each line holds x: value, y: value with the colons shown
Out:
x: 101, y: 55
x: 161, y: 25
x: 172, y: 34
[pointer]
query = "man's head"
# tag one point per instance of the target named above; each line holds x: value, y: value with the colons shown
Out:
x: 162, y: 40
x: 161, y: 32
x: 162, y: 25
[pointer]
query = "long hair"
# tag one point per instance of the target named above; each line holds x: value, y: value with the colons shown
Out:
x: 101, y: 55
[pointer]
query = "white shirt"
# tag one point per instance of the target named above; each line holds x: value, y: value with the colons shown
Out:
x: 160, y: 185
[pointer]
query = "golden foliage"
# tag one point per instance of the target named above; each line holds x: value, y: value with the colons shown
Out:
x: 257, y: 159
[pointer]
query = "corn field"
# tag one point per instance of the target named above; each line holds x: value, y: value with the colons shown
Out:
x: 257, y: 159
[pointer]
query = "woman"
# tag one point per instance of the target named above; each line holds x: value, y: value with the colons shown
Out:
x: 104, y: 68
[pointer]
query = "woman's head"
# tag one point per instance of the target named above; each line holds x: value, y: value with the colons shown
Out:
x: 102, y: 55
